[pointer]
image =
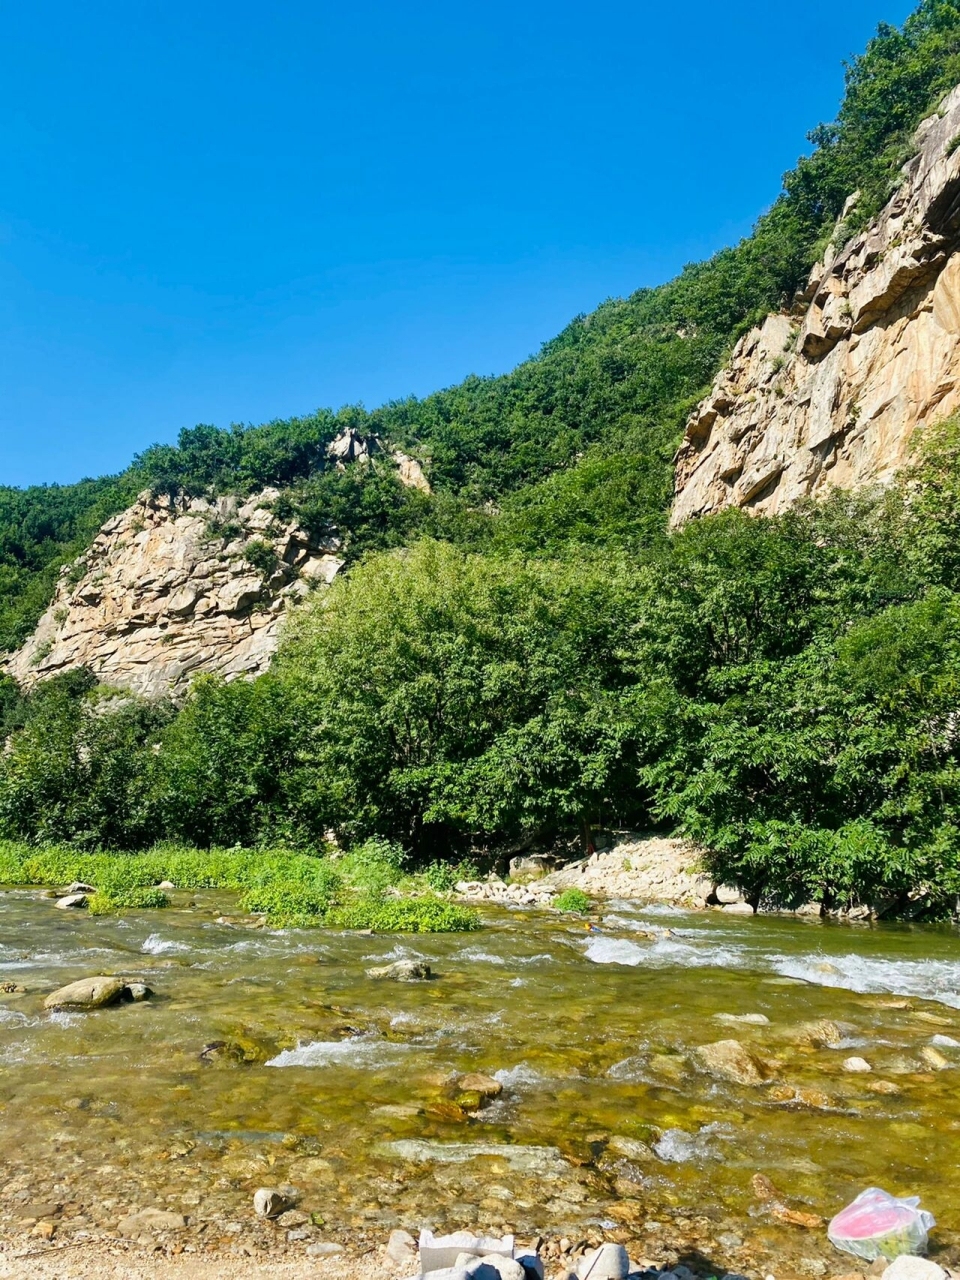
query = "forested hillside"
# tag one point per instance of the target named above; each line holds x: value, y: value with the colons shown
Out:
x: 543, y: 656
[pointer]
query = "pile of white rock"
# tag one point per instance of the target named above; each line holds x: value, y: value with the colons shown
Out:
x: 507, y: 895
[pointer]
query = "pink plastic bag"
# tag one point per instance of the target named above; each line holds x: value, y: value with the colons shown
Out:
x: 878, y: 1225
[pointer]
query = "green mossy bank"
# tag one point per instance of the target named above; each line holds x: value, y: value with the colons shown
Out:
x: 367, y: 889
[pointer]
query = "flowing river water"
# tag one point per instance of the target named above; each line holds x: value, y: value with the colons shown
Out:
x: 606, y: 1123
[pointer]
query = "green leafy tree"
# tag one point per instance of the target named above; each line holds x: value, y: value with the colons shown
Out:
x: 452, y: 696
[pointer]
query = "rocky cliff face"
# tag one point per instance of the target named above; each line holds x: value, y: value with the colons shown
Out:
x: 172, y: 588
x: 831, y: 392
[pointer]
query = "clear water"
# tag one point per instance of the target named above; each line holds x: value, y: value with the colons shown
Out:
x: 590, y: 1034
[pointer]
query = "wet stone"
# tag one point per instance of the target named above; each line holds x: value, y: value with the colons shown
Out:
x: 401, y: 971
x: 269, y: 1203
x: 148, y: 1221
x: 87, y: 993
x: 292, y: 1218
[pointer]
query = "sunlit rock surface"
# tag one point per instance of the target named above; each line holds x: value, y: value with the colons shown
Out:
x: 171, y: 588
x: 832, y: 392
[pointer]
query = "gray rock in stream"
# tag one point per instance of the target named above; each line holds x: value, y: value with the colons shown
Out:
x: 402, y: 971
x: 71, y: 900
x: 137, y: 991
x: 88, y: 993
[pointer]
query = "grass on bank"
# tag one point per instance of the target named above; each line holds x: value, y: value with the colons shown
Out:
x: 367, y: 888
x: 572, y: 900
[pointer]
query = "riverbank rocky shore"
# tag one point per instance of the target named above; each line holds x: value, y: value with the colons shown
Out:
x: 637, y: 867
x: 173, y: 1254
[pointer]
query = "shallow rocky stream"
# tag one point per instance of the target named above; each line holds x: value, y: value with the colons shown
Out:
x: 608, y: 1123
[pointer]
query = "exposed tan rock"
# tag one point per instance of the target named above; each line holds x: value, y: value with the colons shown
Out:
x: 831, y: 393
x: 654, y: 869
x: 87, y: 993
x: 731, y: 1061
x: 410, y: 472
x: 350, y: 446
x: 171, y: 588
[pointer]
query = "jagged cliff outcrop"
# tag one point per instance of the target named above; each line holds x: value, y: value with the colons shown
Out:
x: 173, y: 587
x: 831, y: 392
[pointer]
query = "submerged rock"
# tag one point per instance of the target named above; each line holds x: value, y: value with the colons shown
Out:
x: 631, y: 1148
x: 821, y: 1034
x: 292, y: 1218
x: 87, y: 993
x: 149, y: 1220
x: 477, y: 1082
x: 934, y: 1058
x: 401, y: 971
x: 730, y: 1060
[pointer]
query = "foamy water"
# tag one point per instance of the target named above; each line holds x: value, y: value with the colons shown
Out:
x: 929, y: 979
x: 359, y: 1052
x: 157, y: 946
x: 677, y: 1146
x: 937, y: 980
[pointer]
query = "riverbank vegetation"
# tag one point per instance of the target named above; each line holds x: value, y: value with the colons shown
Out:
x: 780, y: 689
x: 369, y: 888
x: 526, y: 653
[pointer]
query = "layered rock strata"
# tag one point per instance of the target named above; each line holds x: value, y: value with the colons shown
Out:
x: 171, y: 588
x: 830, y: 393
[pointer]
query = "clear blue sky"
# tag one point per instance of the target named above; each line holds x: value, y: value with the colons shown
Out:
x: 215, y: 212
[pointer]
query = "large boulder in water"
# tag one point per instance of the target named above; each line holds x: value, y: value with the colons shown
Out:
x: 731, y: 1061
x: 88, y: 993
